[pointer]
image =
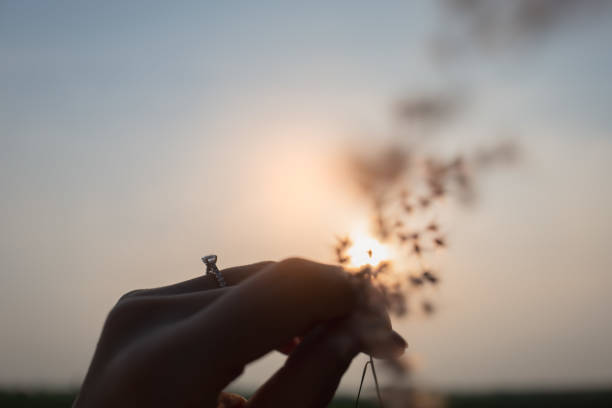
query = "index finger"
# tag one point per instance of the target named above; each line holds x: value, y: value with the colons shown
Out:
x: 232, y: 276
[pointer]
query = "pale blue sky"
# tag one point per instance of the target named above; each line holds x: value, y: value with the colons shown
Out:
x: 118, y: 119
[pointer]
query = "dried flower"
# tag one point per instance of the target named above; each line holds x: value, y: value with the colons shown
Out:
x: 427, y: 275
x: 428, y: 307
x: 439, y: 242
x: 406, y: 187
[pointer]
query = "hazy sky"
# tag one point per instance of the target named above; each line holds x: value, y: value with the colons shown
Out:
x: 135, y: 138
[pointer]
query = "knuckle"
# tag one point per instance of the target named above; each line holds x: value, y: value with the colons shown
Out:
x: 298, y: 272
x: 130, y: 295
x: 292, y: 264
x: 121, y: 309
x: 123, y: 313
x: 115, y: 317
x: 293, y: 270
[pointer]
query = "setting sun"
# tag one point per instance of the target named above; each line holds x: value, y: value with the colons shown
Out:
x: 366, y: 250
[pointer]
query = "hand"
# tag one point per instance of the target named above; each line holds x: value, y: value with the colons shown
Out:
x: 181, y: 345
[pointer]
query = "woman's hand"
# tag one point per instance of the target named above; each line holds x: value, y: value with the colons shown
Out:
x: 181, y: 345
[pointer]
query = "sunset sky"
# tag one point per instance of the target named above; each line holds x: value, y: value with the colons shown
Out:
x: 135, y: 139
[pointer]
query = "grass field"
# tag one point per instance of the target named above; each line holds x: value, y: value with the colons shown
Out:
x: 590, y: 399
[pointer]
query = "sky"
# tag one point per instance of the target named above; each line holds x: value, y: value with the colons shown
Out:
x: 135, y: 138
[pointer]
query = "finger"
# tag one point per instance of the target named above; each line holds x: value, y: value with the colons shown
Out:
x: 233, y: 276
x: 133, y: 316
x: 288, y: 348
x: 284, y: 300
x: 371, y: 323
x: 230, y: 400
x: 137, y: 313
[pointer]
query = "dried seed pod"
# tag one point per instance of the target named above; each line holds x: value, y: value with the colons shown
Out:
x: 416, y: 248
x: 439, y: 242
x: 415, y: 281
x: 365, y: 272
x: 381, y: 268
x: 437, y: 190
x: 427, y: 275
x: 343, y: 242
x: 428, y: 307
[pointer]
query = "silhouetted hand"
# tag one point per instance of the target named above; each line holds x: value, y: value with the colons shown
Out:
x: 181, y: 345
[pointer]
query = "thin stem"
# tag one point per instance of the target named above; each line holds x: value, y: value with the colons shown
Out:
x: 365, y: 369
x: 380, y: 401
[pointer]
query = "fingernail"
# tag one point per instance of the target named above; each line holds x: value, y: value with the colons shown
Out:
x: 398, y: 340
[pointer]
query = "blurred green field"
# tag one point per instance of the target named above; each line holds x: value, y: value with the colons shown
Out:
x: 46, y: 399
x: 590, y: 399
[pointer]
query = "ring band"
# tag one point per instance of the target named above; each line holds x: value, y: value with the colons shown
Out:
x: 211, y: 269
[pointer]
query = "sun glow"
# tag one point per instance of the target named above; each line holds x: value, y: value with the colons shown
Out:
x: 366, y: 251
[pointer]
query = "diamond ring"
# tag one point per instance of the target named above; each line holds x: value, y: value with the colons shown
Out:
x: 211, y: 269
